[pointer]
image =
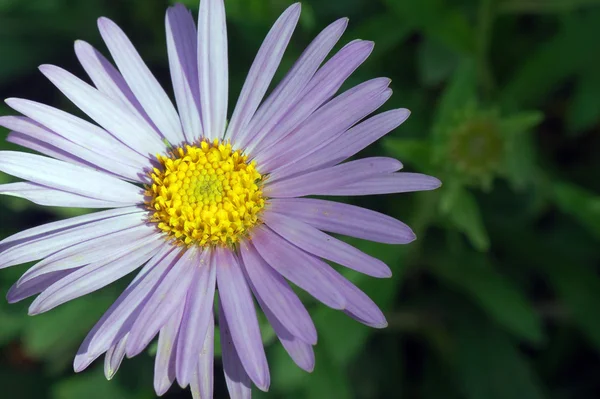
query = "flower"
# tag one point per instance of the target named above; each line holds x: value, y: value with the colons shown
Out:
x: 200, y: 204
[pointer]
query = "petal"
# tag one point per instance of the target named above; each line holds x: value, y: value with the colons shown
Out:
x: 238, y: 305
x: 18, y: 292
x: 42, y: 241
x: 117, y: 321
x: 170, y: 293
x: 238, y: 382
x: 196, y: 318
x: 321, y: 88
x: 68, y: 177
x: 277, y: 295
x: 213, y: 67
x: 95, y: 276
x: 129, y: 128
x: 286, y: 92
x: 345, y: 219
x: 202, y: 384
x: 76, y: 130
x: 300, y: 268
x: 325, y: 246
x: 166, y: 354
x: 50, y: 197
x: 94, y: 250
x: 107, y: 78
x: 182, y: 47
x: 389, y: 184
x: 143, y: 84
x: 324, y: 126
x: 114, y: 358
x: 328, y: 179
x: 262, y: 71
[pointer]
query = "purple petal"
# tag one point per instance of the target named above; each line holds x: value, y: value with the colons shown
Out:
x: 327, y: 123
x: 238, y: 382
x: 213, y: 67
x: 316, y: 242
x: 388, y: 184
x: 261, y: 73
x: 196, y: 318
x: 166, y: 354
x: 94, y: 276
x: 301, y: 268
x: 169, y: 294
x: 107, y: 79
x: 18, y: 292
x: 143, y: 84
x: 45, y: 196
x: 238, y: 305
x: 42, y: 241
x: 286, y: 93
x: 328, y: 179
x: 182, y: 46
x: 345, y: 219
x: 114, y: 358
x: 203, y: 381
x: 68, y: 177
x: 44, y: 148
x: 277, y: 295
x: 321, y: 88
x: 132, y: 130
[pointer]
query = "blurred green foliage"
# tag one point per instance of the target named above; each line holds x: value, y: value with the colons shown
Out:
x: 499, y: 297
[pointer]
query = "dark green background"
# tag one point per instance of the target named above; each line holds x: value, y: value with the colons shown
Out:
x: 499, y: 298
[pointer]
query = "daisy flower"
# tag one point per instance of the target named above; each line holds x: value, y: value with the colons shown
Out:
x: 204, y: 206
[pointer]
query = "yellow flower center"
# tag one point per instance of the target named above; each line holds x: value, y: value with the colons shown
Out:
x: 205, y: 195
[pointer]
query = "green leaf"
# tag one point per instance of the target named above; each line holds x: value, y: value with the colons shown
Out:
x: 328, y: 379
x: 584, y: 109
x: 385, y: 30
x: 460, y: 92
x: 412, y: 151
x: 579, y: 203
x: 463, y: 212
x: 91, y: 385
x: 489, y: 365
x: 436, y: 62
x: 494, y: 293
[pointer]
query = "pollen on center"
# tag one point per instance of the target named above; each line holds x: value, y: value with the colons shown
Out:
x: 205, y: 195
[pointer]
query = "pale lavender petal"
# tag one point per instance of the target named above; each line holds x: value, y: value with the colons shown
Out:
x: 42, y: 241
x: 347, y: 144
x: 277, y: 295
x: 114, y: 358
x: 117, y: 321
x: 107, y: 78
x: 238, y: 382
x: 261, y: 73
x: 196, y: 318
x: 388, y: 184
x: 129, y: 128
x: 328, y: 179
x: 33, y: 287
x: 237, y: 303
x: 301, y: 268
x: 340, y: 218
x: 321, y: 88
x: 166, y: 354
x: 182, y: 47
x: 202, y: 384
x: 316, y: 242
x: 286, y: 92
x: 170, y: 293
x: 324, y: 126
x: 68, y: 177
x: 95, y: 276
x: 94, y: 250
x: 45, y: 196
x: 79, y: 131
x: 358, y: 306
x: 213, y: 67
x: 142, y: 82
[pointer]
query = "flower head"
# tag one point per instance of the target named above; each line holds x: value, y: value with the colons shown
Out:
x: 200, y: 204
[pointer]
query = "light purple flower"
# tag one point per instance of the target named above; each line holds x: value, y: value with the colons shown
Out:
x: 221, y: 206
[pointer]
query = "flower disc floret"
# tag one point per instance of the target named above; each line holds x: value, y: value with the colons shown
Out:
x: 205, y: 195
